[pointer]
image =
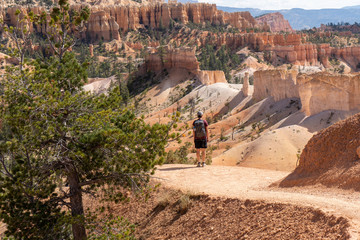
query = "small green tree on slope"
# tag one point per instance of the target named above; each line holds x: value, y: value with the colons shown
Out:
x: 58, y: 142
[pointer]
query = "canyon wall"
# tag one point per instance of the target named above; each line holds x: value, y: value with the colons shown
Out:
x: 106, y: 20
x: 275, y: 21
x: 166, y: 57
x: 277, y: 83
x: 318, y: 92
x: 324, y: 91
x: 290, y: 48
x: 102, y: 26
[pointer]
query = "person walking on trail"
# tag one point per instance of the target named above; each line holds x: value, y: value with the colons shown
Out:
x: 200, y: 132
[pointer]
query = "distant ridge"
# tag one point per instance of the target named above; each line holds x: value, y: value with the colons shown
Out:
x: 305, y: 19
x: 352, y: 7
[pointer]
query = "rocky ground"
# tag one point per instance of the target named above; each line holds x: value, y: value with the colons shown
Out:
x: 172, y: 214
x: 253, y: 184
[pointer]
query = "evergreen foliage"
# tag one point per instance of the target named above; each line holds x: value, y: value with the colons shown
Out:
x: 58, y: 142
x: 221, y: 59
x: 213, y: 27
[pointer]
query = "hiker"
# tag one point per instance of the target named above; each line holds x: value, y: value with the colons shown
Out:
x: 200, y: 132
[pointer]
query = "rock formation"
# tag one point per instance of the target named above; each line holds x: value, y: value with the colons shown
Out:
x: 211, y: 77
x: 275, y: 21
x: 323, y: 91
x: 277, y: 83
x: 245, y: 88
x: 102, y: 26
x: 350, y: 55
x: 330, y: 158
x: 290, y: 48
x: 161, y: 15
x: 318, y: 92
x: 106, y: 20
x: 166, y: 57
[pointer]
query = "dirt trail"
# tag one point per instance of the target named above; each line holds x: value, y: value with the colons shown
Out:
x: 253, y: 184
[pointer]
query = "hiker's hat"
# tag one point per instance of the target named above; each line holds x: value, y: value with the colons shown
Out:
x: 200, y: 113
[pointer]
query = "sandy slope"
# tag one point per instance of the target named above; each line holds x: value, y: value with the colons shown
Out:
x: 99, y: 85
x: 274, y: 150
x: 250, y: 183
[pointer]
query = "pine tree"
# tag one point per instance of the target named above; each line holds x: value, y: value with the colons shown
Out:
x: 58, y: 142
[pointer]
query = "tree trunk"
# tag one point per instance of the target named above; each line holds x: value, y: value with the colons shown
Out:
x: 77, y: 209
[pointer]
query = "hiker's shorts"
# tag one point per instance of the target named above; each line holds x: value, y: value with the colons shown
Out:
x: 200, y: 143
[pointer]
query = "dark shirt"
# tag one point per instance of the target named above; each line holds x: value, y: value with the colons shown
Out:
x: 205, y: 124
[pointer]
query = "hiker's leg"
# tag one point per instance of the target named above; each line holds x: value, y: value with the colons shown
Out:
x: 198, y: 154
x: 203, y: 150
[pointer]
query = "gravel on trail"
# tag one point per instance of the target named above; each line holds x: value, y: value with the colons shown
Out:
x: 254, y: 184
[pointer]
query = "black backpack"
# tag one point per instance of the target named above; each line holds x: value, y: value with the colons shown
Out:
x: 199, y: 126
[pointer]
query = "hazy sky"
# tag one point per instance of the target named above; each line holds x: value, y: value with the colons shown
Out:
x: 284, y: 4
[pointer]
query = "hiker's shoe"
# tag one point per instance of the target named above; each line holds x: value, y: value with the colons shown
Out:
x: 203, y: 164
x: 199, y: 164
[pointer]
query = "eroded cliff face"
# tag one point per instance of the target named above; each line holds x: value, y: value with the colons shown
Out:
x: 350, y: 55
x: 102, y: 26
x: 286, y: 48
x: 318, y: 92
x: 211, y: 77
x: 106, y: 20
x: 160, y: 15
x: 324, y: 91
x: 166, y: 57
x: 276, y: 22
x: 277, y: 83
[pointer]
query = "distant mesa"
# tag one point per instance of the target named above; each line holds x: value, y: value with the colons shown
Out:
x: 352, y: 7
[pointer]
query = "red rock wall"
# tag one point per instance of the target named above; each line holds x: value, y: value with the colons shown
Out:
x: 167, y: 58
x: 183, y: 58
x: 290, y: 47
x: 102, y: 26
x: 106, y: 21
x: 161, y: 14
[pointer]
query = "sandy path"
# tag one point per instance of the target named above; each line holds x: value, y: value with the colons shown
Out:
x: 251, y: 183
